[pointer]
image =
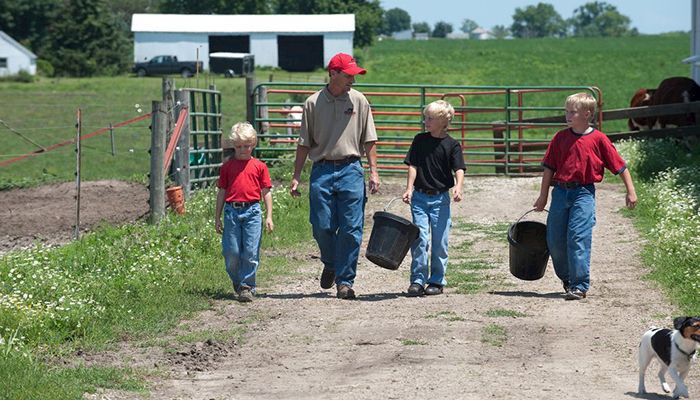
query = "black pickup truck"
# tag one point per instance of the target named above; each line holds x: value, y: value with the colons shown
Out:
x: 166, y: 65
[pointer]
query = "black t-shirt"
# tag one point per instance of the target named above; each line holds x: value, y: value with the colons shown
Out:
x: 435, y: 160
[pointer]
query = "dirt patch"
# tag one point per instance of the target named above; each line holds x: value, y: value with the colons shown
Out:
x: 47, y: 214
x: 300, y: 342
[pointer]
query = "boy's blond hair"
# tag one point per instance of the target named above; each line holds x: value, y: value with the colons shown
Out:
x: 582, y: 102
x: 240, y: 132
x: 440, y: 109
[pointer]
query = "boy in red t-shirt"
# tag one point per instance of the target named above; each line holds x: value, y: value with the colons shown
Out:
x: 243, y: 180
x: 575, y: 160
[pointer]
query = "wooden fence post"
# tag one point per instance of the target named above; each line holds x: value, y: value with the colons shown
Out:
x: 181, y: 162
x: 157, y: 175
x: 249, y: 87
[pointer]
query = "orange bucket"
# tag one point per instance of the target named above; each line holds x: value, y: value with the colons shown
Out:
x: 176, y: 199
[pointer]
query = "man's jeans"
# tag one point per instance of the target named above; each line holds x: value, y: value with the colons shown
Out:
x: 433, y: 217
x: 569, y: 232
x: 337, y: 204
x: 240, y: 244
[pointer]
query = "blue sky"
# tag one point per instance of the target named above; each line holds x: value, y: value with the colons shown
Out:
x: 648, y: 16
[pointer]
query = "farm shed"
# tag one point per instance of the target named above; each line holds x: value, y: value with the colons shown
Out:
x: 14, y: 57
x: 290, y: 42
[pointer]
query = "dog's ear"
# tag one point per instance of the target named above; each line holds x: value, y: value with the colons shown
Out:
x: 679, y: 322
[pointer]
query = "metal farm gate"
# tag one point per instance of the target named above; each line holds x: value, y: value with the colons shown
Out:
x: 205, y: 136
x: 502, y: 129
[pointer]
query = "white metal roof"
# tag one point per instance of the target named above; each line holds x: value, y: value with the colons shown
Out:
x: 4, y: 36
x: 242, y: 23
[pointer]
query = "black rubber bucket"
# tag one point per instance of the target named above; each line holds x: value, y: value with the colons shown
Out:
x: 391, y: 238
x: 528, y: 249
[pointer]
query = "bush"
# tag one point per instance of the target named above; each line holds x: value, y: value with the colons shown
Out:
x: 44, y: 68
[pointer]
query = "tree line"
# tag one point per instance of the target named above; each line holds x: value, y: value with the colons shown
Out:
x: 93, y: 37
x: 593, y: 19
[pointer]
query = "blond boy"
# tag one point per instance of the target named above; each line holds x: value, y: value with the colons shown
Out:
x: 243, y: 181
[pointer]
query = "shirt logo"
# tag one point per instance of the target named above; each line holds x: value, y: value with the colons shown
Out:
x: 349, y: 111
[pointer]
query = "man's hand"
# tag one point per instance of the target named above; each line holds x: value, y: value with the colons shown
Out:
x: 293, y: 188
x: 374, y: 182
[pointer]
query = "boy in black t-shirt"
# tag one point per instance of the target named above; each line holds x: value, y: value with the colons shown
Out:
x: 432, y: 159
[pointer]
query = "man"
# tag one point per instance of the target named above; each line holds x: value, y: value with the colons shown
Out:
x: 336, y: 130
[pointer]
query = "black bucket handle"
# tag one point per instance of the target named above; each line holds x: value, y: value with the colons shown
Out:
x: 528, y: 212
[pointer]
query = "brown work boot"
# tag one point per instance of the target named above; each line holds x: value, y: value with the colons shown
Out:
x: 345, y: 292
x: 245, y: 295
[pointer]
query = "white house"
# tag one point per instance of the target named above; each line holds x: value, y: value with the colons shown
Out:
x: 481, y: 34
x: 14, y: 57
x: 291, y: 42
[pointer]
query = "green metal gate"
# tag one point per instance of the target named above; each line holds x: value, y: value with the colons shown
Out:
x: 205, y: 136
x: 502, y: 129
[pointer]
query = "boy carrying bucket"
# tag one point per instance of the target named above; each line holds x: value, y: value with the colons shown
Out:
x: 432, y: 159
x: 575, y: 160
x: 243, y: 180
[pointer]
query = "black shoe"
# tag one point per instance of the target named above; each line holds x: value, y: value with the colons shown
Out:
x: 327, y: 278
x: 566, y: 286
x: 575, y: 294
x: 415, y: 290
x: 433, y: 289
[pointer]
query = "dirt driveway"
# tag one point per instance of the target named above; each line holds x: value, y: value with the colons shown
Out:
x: 511, y: 340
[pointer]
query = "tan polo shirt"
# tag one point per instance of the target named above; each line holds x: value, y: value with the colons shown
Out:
x: 336, y: 127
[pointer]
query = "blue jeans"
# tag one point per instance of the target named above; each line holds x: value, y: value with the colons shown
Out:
x: 240, y: 244
x: 433, y: 217
x: 569, y: 232
x: 337, y: 207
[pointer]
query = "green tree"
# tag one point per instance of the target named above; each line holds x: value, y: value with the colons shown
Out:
x: 396, y: 20
x: 215, y: 7
x: 541, y: 20
x: 87, y: 40
x: 468, y: 25
x: 599, y: 19
x: 368, y: 14
x: 442, y: 29
x: 500, y: 31
x: 421, y: 27
x: 29, y: 21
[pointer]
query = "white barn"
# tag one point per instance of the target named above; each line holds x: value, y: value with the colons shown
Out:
x: 291, y: 42
x: 14, y: 57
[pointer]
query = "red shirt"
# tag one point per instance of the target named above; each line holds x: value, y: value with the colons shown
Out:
x: 244, y: 179
x: 582, y: 158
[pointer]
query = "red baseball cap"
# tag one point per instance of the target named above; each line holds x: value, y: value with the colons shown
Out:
x: 345, y: 63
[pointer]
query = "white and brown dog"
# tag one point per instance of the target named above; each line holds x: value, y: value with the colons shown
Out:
x: 675, y: 348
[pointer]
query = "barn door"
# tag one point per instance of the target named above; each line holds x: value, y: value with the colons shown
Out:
x: 300, y: 53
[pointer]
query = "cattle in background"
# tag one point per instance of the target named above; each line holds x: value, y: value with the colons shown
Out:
x: 673, y: 90
x: 676, y: 90
x: 641, y: 98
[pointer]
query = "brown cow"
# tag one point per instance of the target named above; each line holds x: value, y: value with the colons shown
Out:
x: 677, y: 89
x: 642, y: 97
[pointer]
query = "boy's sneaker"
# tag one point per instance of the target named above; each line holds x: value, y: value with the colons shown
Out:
x: 415, y: 290
x: 575, y: 294
x: 245, y: 295
x: 345, y: 292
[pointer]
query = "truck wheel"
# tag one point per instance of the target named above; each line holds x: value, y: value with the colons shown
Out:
x: 141, y: 73
x: 186, y: 73
x: 229, y: 73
